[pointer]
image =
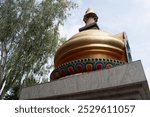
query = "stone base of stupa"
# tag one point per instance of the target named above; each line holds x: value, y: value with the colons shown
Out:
x: 123, y: 82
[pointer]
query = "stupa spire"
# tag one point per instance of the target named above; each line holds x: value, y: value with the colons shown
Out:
x: 89, y: 50
x: 90, y: 19
x: 90, y: 16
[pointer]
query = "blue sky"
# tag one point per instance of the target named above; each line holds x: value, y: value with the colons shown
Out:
x: 115, y: 16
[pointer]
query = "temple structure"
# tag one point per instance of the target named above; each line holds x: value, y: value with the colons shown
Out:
x: 91, y: 49
x: 93, y: 64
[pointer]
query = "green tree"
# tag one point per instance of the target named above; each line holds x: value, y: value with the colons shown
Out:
x: 13, y: 92
x: 29, y: 35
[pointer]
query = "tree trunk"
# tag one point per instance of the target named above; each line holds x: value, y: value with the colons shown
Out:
x: 3, y: 93
x: 3, y: 60
x: 1, y: 83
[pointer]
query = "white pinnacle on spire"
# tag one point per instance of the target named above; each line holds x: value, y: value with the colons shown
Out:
x: 90, y: 16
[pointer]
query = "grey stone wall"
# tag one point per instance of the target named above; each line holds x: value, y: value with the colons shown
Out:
x: 123, y: 82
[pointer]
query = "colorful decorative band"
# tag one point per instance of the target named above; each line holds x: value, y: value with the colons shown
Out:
x: 83, y: 65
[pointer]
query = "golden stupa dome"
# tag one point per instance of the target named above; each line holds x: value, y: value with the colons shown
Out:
x: 90, y: 49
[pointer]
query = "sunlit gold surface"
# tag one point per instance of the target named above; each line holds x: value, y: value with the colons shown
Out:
x: 91, y: 44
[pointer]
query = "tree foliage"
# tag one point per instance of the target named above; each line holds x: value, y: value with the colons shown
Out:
x: 29, y: 35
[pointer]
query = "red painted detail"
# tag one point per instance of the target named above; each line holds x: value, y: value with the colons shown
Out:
x: 70, y: 69
x: 109, y: 66
x: 99, y: 66
x: 79, y: 67
x: 89, y: 67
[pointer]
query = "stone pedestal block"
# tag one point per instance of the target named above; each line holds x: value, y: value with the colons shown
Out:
x: 127, y: 81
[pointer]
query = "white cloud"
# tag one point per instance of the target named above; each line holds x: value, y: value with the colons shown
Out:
x: 146, y: 18
x: 69, y: 31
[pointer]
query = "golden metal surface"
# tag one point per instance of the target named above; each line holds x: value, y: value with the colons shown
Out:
x: 91, y: 43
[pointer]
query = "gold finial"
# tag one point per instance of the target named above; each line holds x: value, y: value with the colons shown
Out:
x: 89, y: 10
x: 90, y: 16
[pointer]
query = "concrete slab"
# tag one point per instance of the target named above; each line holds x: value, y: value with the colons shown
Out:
x: 127, y: 81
